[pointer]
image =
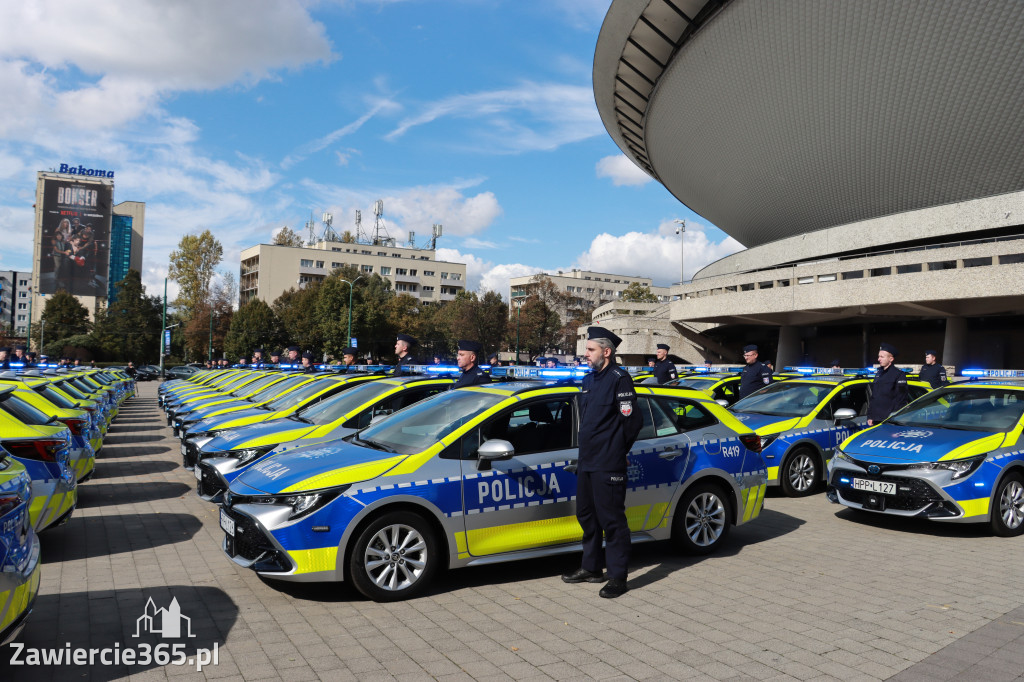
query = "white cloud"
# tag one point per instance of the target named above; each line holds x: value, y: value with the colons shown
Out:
x: 546, y: 116
x: 655, y: 254
x: 484, y: 275
x: 622, y: 171
x: 380, y: 105
x: 583, y: 15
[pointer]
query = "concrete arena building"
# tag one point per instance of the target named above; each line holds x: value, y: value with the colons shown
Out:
x: 866, y: 153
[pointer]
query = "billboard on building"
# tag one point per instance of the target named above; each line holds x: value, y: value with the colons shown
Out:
x: 75, y: 237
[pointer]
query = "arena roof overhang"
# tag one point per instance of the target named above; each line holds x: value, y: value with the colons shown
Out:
x: 774, y: 119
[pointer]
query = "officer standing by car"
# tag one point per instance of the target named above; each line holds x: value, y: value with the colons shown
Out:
x: 932, y: 371
x: 348, y: 359
x: 293, y: 355
x: 609, y: 425
x: 466, y: 359
x: 756, y: 375
x: 275, y: 357
x: 664, y: 370
x: 307, y: 363
x: 889, y: 388
x: 5, y: 362
x: 403, y: 349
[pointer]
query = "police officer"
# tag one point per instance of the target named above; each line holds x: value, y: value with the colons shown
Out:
x: 19, y: 355
x: 293, y: 355
x: 466, y: 359
x: 403, y: 349
x: 756, y: 375
x: 257, y: 357
x: 889, y: 388
x: 275, y: 357
x: 307, y: 363
x: 664, y: 370
x: 5, y: 362
x: 932, y: 371
x: 609, y: 425
x: 348, y: 359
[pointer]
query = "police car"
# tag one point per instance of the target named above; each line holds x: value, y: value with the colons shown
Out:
x: 479, y: 475
x: 283, y: 406
x: 222, y: 458
x: 719, y: 385
x: 285, y: 384
x: 802, y: 420
x: 955, y: 455
x: 19, y: 549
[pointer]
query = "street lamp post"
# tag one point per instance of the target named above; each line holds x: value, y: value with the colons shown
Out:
x: 351, y: 285
x: 519, y: 310
x: 163, y: 327
x: 211, y: 334
x: 681, y: 231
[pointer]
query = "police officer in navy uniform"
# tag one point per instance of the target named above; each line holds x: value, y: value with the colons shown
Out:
x: 275, y: 357
x: 664, y: 370
x: 609, y: 425
x: 307, y: 363
x: 889, y: 388
x: 756, y: 375
x: 5, y: 361
x: 932, y: 371
x: 348, y: 359
x: 403, y: 349
x: 293, y: 356
x: 472, y: 375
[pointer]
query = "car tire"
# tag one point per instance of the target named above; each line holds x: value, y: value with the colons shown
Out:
x: 702, y: 519
x: 1008, y: 506
x: 394, y: 557
x: 800, y: 473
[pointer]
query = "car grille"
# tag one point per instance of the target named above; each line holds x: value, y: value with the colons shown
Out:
x: 208, y: 485
x: 191, y: 455
x: 911, y: 493
x: 250, y: 544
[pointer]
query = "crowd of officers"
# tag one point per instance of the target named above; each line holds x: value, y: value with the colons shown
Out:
x: 20, y: 357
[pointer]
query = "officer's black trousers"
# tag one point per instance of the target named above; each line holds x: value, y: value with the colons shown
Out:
x: 601, y: 505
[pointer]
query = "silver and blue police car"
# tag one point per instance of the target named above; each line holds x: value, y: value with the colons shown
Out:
x: 19, y: 549
x: 802, y: 420
x: 955, y: 455
x: 479, y: 475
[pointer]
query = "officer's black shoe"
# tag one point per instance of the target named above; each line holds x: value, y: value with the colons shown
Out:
x: 616, y: 587
x: 581, y: 575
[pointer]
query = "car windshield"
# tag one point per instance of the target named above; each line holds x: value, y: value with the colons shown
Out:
x: 966, y: 408
x: 232, y: 385
x: 694, y: 383
x: 22, y: 411
x: 293, y: 398
x: 257, y: 385
x: 785, y: 399
x: 55, y: 397
x: 343, y: 403
x: 419, y: 426
x: 72, y: 390
x: 276, y: 389
x: 82, y: 386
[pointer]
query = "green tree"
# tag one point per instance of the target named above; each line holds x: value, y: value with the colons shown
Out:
x: 63, y: 316
x: 638, y: 293
x: 200, y: 335
x: 376, y: 332
x: 192, y: 266
x: 287, y: 237
x: 538, y: 327
x: 129, y: 328
x: 254, y: 325
x: 295, y: 309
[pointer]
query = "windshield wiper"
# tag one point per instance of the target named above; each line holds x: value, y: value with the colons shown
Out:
x: 299, y: 419
x: 375, y: 445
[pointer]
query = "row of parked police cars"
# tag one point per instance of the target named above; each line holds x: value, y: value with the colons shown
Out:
x: 52, y: 425
x: 384, y: 479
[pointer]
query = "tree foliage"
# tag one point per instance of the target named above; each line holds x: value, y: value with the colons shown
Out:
x: 193, y: 265
x: 636, y: 292
x: 254, y: 325
x: 200, y: 334
x: 129, y: 328
x: 63, y: 316
x: 287, y: 237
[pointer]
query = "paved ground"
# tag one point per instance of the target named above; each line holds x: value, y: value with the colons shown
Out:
x: 806, y: 592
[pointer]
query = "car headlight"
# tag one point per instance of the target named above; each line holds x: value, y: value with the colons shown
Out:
x: 961, y: 468
x: 202, y: 440
x: 302, y: 504
x: 840, y: 455
x: 248, y: 454
x: 768, y: 440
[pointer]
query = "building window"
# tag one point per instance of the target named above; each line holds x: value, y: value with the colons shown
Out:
x: 977, y: 262
x: 22, y: 282
x: 428, y: 273
x: 1011, y: 258
x: 427, y: 287
x: 385, y: 270
x: 366, y: 268
x: 412, y: 273
x: 305, y: 263
x: 881, y: 272
x: 335, y: 248
x: 396, y: 255
x: 320, y: 264
x: 444, y: 275
x: 747, y: 287
x: 21, y: 318
x: 401, y: 271
x: 826, y: 278
x: 904, y: 269
x: 765, y: 285
x: 23, y: 306
x: 22, y: 294
x: 942, y: 265
x: 458, y: 276
x: 367, y: 252
x: 853, y: 274
x: 337, y: 265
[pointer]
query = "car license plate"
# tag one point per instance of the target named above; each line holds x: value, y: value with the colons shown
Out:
x: 227, y: 523
x: 184, y: 450
x: 884, y: 487
x: 198, y: 472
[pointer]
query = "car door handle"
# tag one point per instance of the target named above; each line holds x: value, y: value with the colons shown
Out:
x: 670, y: 454
x: 571, y: 466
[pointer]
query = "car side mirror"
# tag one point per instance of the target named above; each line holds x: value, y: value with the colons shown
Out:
x: 722, y: 402
x: 844, y: 414
x: 493, y: 450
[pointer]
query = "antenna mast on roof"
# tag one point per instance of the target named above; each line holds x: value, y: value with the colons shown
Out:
x: 380, y: 230
x: 311, y: 229
x: 329, y: 234
x: 360, y: 237
x: 436, y: 230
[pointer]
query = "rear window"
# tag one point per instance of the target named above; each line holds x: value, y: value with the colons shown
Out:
x: 22, y: 411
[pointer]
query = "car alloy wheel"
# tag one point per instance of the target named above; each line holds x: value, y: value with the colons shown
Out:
x: 1008, y: 515
x: 394, y: 557
x: 702, y: 520
x: 800, y: 474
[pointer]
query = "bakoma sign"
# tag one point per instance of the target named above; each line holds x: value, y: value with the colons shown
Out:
x: 81, y: 170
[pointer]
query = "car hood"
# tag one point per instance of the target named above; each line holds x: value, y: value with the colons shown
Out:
x: 329, y: 465
x: 232, y: 405
x: 890, y: 443
x: 223, y: 421
x: 283, y: 430
x: 766, y: 424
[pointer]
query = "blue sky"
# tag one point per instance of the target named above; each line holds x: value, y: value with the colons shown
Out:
x: 242, y: 116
